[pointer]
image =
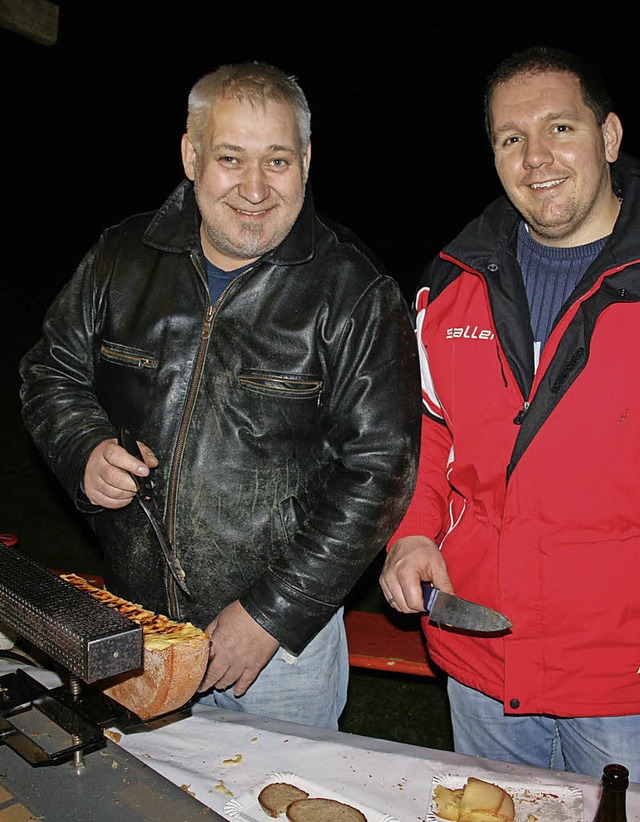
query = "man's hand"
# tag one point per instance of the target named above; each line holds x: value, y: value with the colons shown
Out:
x: 107, y: 475
x: 239, y: 650
x: 410, y: 561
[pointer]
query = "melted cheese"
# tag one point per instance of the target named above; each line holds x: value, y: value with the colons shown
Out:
x: 159, y: 632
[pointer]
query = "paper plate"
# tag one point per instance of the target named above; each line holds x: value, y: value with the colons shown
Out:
x: 246, y: 806
x: 547, y: 803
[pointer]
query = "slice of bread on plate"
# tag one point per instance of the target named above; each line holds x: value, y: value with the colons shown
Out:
x: 276, y: 797
x: 319, y: 809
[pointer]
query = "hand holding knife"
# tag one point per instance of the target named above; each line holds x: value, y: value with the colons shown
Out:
x: 147, y: 502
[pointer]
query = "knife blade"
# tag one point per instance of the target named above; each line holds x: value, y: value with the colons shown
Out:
x: 147, y: 501
x: 454, y: 612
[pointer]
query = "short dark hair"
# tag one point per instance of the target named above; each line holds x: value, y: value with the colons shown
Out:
x: 546, y: 58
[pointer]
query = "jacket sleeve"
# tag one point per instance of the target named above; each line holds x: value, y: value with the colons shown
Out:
x: 372, y: 438
x: 59, y: 405
x: 427, y: 511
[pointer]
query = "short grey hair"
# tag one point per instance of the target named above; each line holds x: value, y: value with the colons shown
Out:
x: 254, y: 81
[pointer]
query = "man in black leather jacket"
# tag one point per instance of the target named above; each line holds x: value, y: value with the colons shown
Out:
x: 266, y: 364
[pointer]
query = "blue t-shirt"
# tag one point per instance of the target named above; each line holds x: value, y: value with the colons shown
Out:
x: 219, y: 279
x: 550, y: 274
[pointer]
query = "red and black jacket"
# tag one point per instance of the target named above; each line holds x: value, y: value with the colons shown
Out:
x: 530, y: 480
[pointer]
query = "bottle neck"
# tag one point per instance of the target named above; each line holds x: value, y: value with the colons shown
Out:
x: 613, y: 800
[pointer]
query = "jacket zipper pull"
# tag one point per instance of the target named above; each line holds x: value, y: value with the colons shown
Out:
x: 206, y: 328
x: 520, y: 415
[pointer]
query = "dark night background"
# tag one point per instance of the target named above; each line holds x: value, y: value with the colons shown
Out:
x: 93, y: 124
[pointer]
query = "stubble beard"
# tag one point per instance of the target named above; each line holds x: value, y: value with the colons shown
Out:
x: 556, y: 223
x: 248, y: 245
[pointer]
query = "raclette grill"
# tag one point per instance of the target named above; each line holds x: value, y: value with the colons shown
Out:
x: 89, y: 641
x: 84, y: 636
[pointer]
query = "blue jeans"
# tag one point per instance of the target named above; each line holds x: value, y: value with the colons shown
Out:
x: 310, y: 689
x: 578, y: 744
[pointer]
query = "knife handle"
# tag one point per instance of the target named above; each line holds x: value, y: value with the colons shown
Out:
x: 429, y: 594
x: 130, y: 444
x: 147, y: 501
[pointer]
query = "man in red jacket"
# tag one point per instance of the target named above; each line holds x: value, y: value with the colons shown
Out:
x: 528, y: 495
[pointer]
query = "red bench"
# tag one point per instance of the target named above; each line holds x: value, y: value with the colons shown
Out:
x: 376, y: 642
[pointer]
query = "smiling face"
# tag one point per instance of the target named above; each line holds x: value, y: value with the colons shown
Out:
x: 249, y: 175
x: 552, y: 157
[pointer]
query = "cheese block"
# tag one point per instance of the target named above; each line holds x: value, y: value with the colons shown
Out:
x: 175, y: 658
x: 478, y: 801
x: 485, y: 802
x: 447, y: 802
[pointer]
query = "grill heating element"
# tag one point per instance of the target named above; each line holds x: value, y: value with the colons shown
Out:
x: 86, y: 637
x: 51, y: 727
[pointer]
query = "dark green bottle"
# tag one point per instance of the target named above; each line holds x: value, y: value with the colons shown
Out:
x: 613, y: 799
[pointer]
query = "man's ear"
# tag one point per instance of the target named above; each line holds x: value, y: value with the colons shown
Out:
x: 306, y: 163
x: 612, y: 136
x: 188, y: 157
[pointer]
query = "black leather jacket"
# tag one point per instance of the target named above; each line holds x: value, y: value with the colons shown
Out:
x: 285, y: 417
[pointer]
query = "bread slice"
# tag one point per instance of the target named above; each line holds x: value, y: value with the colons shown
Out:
x: 323, y: 810
x: 276, y: 797
x: 175, y: 658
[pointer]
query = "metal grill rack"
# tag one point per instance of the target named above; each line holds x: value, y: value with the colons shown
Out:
x: 86, y: 638
x: 67, y: 624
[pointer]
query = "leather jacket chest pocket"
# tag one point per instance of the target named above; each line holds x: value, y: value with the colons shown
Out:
x: 282, y: 386
x: 126, y: 355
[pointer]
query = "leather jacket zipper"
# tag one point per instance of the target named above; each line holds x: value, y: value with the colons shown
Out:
x: 128, y: 357
x: 205, y: 334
